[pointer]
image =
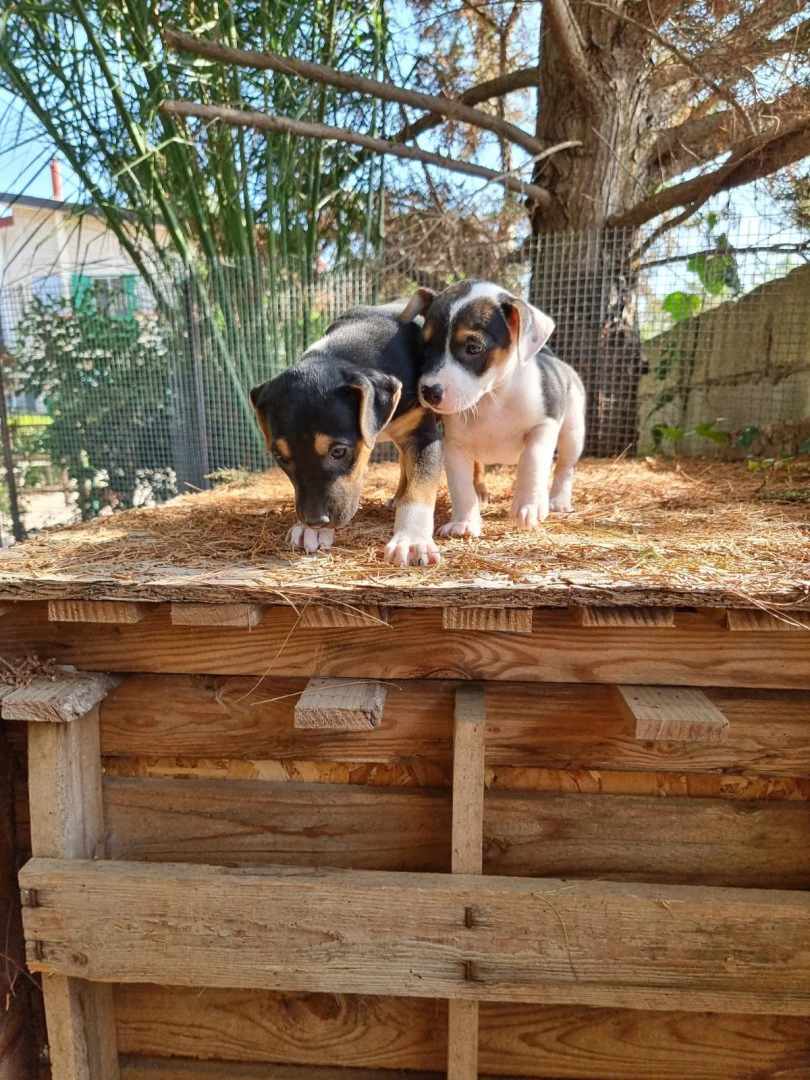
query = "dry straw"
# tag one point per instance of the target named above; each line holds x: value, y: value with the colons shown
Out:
x: 679, y: 525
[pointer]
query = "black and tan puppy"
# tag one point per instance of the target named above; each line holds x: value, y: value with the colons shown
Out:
x: 356, y: 386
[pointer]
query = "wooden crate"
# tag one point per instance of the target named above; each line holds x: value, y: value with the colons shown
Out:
x: 400, y: 828
x: 554, y: 857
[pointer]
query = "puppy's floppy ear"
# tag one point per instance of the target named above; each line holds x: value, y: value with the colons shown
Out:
x: 417, y: 305
x: 379, y: 397
x: 260, y: 398
x: 530, y: 327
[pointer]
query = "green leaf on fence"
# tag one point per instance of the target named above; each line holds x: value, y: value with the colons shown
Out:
x: 681, y: 305
x: 709, y: 430
x: 747, y: 438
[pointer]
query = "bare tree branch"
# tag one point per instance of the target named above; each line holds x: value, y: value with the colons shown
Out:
x: 344, y: 80
x: 757, y: 157
x: 746, y: 46
x: 702, y: 138
x: 568, y: 35
x: 500, y: 85
x: 267, y: 122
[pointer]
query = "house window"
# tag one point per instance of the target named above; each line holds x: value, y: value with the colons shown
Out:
x: 48, y: 289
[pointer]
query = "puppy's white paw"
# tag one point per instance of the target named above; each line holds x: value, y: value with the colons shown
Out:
x: 310, y: 540
x: 527, y: 514
x: 405, y: 550
x: 461, y: 528
x: 561, y: 504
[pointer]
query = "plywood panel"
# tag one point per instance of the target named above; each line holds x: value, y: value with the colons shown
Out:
x: 416, y: 646
x: 539, y: 940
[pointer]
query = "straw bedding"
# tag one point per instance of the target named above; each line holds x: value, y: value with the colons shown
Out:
x: 679, y: 526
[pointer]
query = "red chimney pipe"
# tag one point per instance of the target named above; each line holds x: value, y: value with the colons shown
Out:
x: 56, y: 179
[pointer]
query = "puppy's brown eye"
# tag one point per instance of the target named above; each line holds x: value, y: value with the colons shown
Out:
x: 338, y: 451
x: 280, y: 458
x: 474, y: 348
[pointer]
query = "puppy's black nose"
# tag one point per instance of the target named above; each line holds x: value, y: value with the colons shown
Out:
x: 432, y: 394
x: 318, y: 522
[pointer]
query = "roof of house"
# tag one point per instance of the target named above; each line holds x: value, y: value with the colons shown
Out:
x: 10, y: 199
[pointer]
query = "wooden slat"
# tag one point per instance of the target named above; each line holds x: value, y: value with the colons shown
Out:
x: 256, y: 824
x: 417, y: 646
x: 341, y: 704
x: 621, y: 838
x: 564, y: 726
x: 328, y: 617
x: 492, y: 620
x: 234, y: 615
x: 757, y: 621
x: 469, y: 744
x: 304, y: 1029
x: 60, y: 699
x: 67, y: 822
x: 673, y: 714
x: 6, y: 609
x: 16, y: 1020
x: 135, y: 1069
x: 647, y: 618
x: 97, y: 611
x: 319, y: 1030
x: 536, y: 940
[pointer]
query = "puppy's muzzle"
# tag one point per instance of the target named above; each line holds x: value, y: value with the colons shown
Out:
x: 431, y: 394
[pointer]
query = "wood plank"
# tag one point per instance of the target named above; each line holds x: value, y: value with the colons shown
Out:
x: 468, y: 780
x: 97, y: 611
x: 637, y: 838
x: 304, y: 1029
x: 225, y: 615
x: 16, y: 1005
x: 329, y: 616
x: 701, y: 841
x: 647, y: 618
x: 532, y: 940
x: 243, y: 823
x: 469, y: 744
x: 575, y: 1042
x: 492, y: 620
x: 417, y: 647
x: 59, y: 699
x: 673, y: 714
x: 139, y: 1069
x: 341, y: 704
x: 755, y: 620
x: 67, y: 822
x: 564, y: 726
x: 6, y: 609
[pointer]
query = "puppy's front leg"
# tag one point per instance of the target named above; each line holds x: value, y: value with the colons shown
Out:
x: 421, y: 458
x: 466, y: 513
x: 530, y: 504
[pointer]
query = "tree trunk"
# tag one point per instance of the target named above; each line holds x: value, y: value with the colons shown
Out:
x: 583, y: 273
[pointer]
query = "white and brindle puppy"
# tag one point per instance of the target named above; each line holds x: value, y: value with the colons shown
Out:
x: 503, y: 398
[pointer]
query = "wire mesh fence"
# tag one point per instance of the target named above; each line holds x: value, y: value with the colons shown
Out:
x: 696, y: 342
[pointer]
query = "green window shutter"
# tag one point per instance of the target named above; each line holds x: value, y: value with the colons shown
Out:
x: 81, y: 290
x: 131, y: 293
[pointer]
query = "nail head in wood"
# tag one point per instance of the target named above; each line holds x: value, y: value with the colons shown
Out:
x: 239, y: 616
x: 341, y: 704
x: 491, y: 620
x: 97, y: 611
x: 57, y: 700
x: 640, y: 618
x: 673, y: 714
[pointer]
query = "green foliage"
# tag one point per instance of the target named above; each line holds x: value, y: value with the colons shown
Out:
x: 717, y: 271
x: 107, y: 385
x: 681, y: 305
